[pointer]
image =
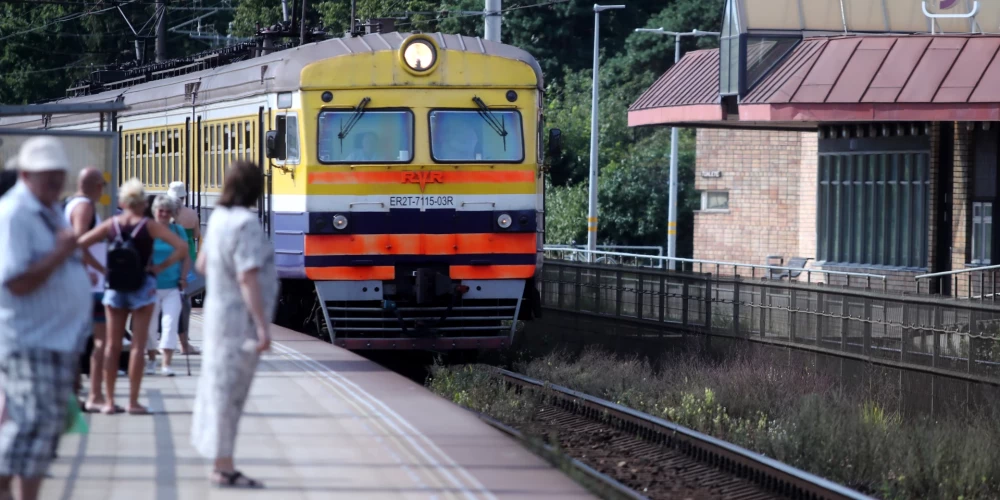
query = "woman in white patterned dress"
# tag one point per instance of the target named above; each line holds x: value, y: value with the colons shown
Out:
x: 241, y: 289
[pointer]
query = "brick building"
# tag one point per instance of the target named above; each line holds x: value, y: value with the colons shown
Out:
x: 872, y: 153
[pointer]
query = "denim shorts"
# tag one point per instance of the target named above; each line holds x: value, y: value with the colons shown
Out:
x: 131, y: 301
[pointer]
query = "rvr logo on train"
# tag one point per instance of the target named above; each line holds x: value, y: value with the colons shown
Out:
x: 423, y: 178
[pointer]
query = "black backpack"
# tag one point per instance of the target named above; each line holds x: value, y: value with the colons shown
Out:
x: 126, y: 270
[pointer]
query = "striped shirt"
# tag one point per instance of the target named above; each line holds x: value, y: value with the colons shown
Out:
x: 56, y: 315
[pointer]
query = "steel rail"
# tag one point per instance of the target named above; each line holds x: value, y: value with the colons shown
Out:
x: 602, y: 484
x: 766, y: 472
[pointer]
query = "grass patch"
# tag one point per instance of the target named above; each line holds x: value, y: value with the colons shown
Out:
x: 800, y: 418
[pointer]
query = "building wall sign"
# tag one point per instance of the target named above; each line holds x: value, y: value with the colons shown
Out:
x: 712, y: 174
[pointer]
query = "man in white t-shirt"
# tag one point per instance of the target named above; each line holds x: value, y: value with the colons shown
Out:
x: 81, y: 213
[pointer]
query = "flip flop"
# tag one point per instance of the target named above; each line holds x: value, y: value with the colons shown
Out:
x: 235, y: 479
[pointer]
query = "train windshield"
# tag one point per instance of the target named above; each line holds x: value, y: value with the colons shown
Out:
x: 370, y: 136
x: 476, y: 136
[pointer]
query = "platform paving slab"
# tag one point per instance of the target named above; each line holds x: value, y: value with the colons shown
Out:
x: 321, y: 423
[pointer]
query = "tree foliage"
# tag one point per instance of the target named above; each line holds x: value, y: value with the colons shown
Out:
x: 45, y: 47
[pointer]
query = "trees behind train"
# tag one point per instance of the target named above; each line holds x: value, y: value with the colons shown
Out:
x: 46, y: 47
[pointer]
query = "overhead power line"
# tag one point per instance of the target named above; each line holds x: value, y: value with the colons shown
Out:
x: 99, y: 2
x: 70, y: 17
x: 464, y: 14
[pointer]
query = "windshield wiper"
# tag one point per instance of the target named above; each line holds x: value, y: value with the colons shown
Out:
x: 498, y: 125
x: 359, y: 111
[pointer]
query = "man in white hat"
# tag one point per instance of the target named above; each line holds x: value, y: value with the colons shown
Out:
x: 188, y: 219
x: 44, y: 316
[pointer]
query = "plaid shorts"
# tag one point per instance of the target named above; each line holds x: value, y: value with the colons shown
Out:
x: 37, y: 385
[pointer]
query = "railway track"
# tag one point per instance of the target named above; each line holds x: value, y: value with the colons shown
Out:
x: 658, y: 459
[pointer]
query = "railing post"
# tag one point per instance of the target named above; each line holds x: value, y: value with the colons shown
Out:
x: 972, y: 342
x: 618, y: 294
x: 903, y: 341
x: 597, y: 289
x: 867, y: 330
x: 663, y: 298
x: 640, y: 281
x: 845, y: 312
x: 763, y: 311
x: 579, y: 287
x: 736, y: 308
x: 821, y: 319
x: 708, y: 307
x: 560, y: 285
x: 982, y: 286
x: 793, y: 306
x: 938, y: 325
x: 684, y: 304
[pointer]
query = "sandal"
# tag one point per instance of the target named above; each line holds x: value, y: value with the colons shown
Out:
x: 111, y: 410
x: 138, y: 410
x: 93, y: 408
x: 235, y: 479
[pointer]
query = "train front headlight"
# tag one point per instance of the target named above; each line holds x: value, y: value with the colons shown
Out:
x: 339, y: 222
x: 420, y: 55
x: 504, y: 221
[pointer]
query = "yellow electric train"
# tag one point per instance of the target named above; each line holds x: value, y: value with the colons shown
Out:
x: 405, y: 189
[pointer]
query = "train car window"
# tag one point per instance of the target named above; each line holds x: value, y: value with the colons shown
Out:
x: 249, y: 129
x: 373, y: 136
x: 291, y: 138
x: 469, y: 137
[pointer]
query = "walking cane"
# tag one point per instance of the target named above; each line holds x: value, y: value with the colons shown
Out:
x: 187, y: 352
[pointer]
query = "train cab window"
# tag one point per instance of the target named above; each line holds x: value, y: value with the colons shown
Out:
x: 472, y: 136
x: 291, y: 138
x: 372, y: 136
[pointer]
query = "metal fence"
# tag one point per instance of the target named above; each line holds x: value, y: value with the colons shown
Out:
x: 979, y: 283
x: 956, y: 338
x: 719, y: 268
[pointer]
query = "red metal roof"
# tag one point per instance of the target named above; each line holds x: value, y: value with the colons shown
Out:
x: 693, y: 80
x: 853, y: 78
x: 913, y: 69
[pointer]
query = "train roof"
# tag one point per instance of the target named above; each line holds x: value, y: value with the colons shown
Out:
x: 278, y: 71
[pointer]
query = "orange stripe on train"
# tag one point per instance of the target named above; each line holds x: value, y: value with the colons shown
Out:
x: 420, y: 244
x: 360, y: 273
x: 351, y: 273
x: 492, y: 272
x: 421, y: 177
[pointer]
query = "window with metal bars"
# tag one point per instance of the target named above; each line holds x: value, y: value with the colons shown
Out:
x: 873, y: 196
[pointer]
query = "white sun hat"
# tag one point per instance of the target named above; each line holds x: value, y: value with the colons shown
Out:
x: 177, y: 190
x: 42, y: 154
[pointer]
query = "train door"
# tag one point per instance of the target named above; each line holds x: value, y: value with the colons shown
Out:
x: 264, y: 210
x: 284, y: 121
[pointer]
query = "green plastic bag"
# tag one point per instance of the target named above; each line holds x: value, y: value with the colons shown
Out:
x: 75, y: 423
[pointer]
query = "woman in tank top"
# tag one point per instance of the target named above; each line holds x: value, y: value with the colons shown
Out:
x: 118, y: 305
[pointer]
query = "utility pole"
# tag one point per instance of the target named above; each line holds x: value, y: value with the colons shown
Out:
x: 302, y: 26
x: 354, y: 9
x: 674, y: 138
x: 492, y: 28
x: 592, y: 211
x: 284, y: 10
x: 161, y: 30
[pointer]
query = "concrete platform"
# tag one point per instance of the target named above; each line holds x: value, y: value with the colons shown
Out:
x: 321, y: 422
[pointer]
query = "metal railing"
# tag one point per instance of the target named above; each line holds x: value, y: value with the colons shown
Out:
x: 580, y: 253
x: 960, y: 339
x: 978, y: 283
x: 718, y: 268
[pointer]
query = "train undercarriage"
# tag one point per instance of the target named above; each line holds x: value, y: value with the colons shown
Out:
x: 421, y: 309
